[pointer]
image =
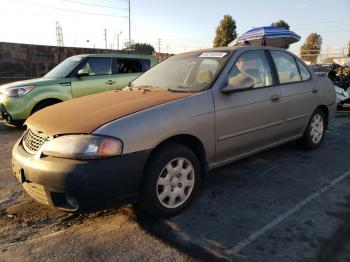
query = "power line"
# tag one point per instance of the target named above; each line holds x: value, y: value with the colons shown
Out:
x: 72, y: 11
x: 321, y: 22
x: 322, y: 26
x: 95, y: 5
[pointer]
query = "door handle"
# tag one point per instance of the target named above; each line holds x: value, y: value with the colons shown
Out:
x: 314, y: 90
x: 275, y: 98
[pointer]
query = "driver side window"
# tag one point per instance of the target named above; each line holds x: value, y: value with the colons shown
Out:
x: 98, y: 66
x: 254, y: 65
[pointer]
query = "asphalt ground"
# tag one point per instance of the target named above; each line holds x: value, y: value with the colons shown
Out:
x: 285, y: 204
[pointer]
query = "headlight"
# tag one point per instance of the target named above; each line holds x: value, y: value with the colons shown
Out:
x: 83, y: 147
x: 17, y: 91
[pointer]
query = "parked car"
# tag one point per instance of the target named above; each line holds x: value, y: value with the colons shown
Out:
x: 156, y: 139
x: 76, y: 76
x: 339, y: 74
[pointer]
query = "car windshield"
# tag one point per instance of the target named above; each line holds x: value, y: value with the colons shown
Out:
x: 192, y: 72
x: 65, y: 68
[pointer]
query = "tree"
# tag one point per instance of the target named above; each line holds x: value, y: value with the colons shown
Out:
x: 281, y: 23
x: 310, y: 50
x: 225, y: 32
x: 142, y: 48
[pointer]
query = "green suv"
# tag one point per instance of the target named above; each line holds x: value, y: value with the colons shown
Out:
x: 76, y: 76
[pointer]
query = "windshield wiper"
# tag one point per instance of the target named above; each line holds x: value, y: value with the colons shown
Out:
x: 147, y: 88
x: 180, y: 89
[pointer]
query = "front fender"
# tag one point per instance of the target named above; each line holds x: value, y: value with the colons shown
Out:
x: 144, y: 130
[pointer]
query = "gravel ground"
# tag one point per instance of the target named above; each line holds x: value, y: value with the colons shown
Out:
x: 251, y: 210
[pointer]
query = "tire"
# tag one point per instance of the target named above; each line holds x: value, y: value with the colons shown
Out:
x: 314, y: 131
x: 15, y: 123
x: 43, y: 104
x: 164, y: 190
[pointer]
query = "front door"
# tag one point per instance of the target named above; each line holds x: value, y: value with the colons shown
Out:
x: 250, y: 119
x: 98, y: 80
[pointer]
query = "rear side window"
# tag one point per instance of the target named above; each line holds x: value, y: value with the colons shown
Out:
x: 287, y: 69
x: 98, y: 66
x: 129, y: 66
x: 305, y: 74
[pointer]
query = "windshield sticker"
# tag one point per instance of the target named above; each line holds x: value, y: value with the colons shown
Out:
x: 213, y: 54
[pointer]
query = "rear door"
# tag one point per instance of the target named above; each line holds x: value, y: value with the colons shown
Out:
x: 251, y: 119
x: 298, y: 93
x: 98, y: 80
x: 126, y: 70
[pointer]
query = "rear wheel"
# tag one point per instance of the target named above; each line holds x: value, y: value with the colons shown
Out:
x: 170, y: 181
x: 314, y: 132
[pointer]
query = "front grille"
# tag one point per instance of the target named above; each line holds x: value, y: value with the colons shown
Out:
x: 33, y: 141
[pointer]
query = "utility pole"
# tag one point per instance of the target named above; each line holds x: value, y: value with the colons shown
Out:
x: 129, y: 25
x: 105, y: 37
x: 159, y: 42
x: 118, y: 38
x: 116, y: 35
x: 59, y: 34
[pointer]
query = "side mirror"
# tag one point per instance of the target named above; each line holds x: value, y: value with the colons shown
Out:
x: 238, y: 83
x: 83, y: 72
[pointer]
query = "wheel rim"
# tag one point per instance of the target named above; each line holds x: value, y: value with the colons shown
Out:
x: 175, y: 182
x: 316, y: 128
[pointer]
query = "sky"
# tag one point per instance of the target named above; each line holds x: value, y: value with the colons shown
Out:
x: 181, y: 25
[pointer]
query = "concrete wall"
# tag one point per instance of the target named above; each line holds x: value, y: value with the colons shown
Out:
x: 23, y: 61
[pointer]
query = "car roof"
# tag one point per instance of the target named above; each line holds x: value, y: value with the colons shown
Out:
x: 117, y: 55
x: 232, y: 49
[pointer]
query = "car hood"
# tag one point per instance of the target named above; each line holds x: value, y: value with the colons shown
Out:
x: 32, y: 82
x: 85, y: 114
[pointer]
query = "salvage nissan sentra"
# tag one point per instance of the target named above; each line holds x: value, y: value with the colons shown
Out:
x: 154, y: 140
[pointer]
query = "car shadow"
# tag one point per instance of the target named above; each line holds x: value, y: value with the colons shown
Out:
x: 191, y: 230
x: 337, y: 246
x: 6, y: 128
x: 241, y: 198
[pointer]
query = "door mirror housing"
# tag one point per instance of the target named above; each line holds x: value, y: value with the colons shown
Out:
x: 83, y: 72
x: 238, y: 83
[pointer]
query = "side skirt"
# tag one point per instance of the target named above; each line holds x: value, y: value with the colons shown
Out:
x: 238, y: 157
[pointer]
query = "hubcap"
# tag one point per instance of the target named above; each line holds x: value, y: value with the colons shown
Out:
x: 175, y: 182
x: 316, y: 128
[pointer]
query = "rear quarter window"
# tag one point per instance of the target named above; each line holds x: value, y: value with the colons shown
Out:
x: 305, y: 74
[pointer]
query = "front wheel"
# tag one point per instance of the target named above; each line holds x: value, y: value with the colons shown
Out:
x: 170, y: 180
x: 315, y: 130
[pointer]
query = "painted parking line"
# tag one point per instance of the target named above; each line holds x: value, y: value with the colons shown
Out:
x: 242, y: 244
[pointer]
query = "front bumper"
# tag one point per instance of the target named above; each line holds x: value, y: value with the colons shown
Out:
x: 13, y: 109
x: 3, y: 112
x: 68, y: 184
